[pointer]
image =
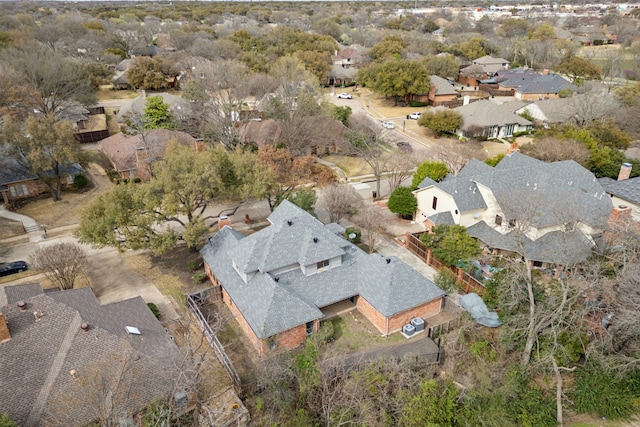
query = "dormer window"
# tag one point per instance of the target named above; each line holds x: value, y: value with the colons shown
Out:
x: 323, y: 264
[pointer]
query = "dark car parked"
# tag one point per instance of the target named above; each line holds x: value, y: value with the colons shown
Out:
x: 404, y: 146
x: 7, y: 268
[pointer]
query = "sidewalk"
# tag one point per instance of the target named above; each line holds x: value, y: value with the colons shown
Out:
x: 34, y: 232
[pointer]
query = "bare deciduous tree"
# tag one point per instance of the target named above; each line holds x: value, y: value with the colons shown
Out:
x: 365, y: 141
x: 595, y: 103
x: 370, y: 220
x: 551, y: 149
x: 399, y: 168
x: 455, y: 154
x: 61, y: 263
x: 340, y: 200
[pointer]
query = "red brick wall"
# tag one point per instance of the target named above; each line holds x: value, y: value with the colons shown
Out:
x: 288, y: 340
x: 396, y: 322
x: 373, y: 315
x: 255, y: 341
x: 424, y: 311
x: 34, y: 187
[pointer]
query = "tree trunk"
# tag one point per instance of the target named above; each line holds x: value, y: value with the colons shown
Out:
x: 378, y: 178
x: 559, y: 385
x: 531, y: 332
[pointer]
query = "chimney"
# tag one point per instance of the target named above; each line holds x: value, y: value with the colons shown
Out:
x: 5, y: 335
x: 224, y: 220
x: 625, y: 171
x: 141, y: 158
x: 512, y: 148
x: 621, y: 214
x: 465, y: 100
x: 545, y: 72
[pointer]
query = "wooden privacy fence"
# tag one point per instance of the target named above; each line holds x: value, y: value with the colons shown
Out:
x: 213, y: 341
x: 466, y: 282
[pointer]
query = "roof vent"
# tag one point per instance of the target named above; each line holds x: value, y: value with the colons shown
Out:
x: 277, y: 279
x: 289, y: 222
x: 22, y: 305
x: 315, y: 240
x: 388, y: 260
x: 132, y: 330
x: 84, y: 327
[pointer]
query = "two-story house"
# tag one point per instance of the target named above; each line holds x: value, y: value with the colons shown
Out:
x: 551, y: 213
x: 283, y: 280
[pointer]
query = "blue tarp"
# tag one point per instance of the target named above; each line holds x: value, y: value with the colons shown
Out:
x: 479, y: 311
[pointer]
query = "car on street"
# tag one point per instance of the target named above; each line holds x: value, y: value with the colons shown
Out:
x: 414, y: 116
x: 404, y: 146
x: 344, y: 95
x: 7, y: 268
x: 388, y: 125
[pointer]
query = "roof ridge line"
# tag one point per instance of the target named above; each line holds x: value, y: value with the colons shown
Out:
x: 35, y: 415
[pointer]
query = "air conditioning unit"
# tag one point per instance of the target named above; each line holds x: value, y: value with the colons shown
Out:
x: 418, y: 323
x: 408, y: 330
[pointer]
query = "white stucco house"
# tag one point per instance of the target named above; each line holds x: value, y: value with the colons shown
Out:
x: 549, y: 212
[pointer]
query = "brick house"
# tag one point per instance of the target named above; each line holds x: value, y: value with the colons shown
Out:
x: 554, y: 213
x: 281, y: 282
x: 67, y: 360
x: 129, y: 156
x: 529, y: 85
x: 18, y: 183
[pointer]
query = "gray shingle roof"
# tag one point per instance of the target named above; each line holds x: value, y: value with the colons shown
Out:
x: 544, y: 195
x: 442, y: 218
x: 278, y: 296
x: 486, y: 113
x: 35, y: 364
x: 528, y: 81
x: 442, y: 86
x: 627, y: 189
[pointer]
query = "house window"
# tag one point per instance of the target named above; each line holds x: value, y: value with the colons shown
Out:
x: 537, y: 264
x: 498, y: 220
x: 309, y: 327
x: 512, y: 223
x: 434, y: 203
x: 509, y: 130
x: 19, y: 190
x: 323, y: 264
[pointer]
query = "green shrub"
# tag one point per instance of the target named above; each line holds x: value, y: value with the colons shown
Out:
x: 80, y: 181
x: 200, y: 277
x: 418, y: 104
x: 603, y: 393
x: 403, y: 202
x: 192, y: 265
x: 352, y: 230
x: 446, y: 280
x: 154, y: 309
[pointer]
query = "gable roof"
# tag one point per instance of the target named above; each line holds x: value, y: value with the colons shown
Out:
x: 627, y: 189
x: 136, y: 106
x: 121, y: 148
x: 524, y: 80
x: 442, y: 86
x: 488, y: 59
x: 278, y: 296
x: 35, y: 364
x: 487, y: 114
x: 541, y: 194
x: 12, y: 170
x: 556, y: 110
